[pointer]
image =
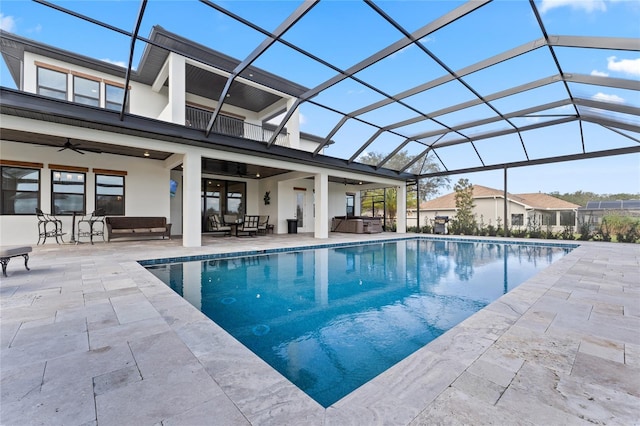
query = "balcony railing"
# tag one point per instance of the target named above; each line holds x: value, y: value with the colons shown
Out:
x: 199, y: 119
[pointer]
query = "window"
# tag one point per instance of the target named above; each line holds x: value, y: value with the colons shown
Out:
x: 85, y: 91
x: 517, y: 219
x: 351, y: 202
x: 210, y: 200
x: 113, y: 97
x: 549, y: 219
x: 221, y: 197
x: 68, y: 190
x: 235, y: 198
x: 568, y: 218
x: 52, y: 83
x: 20, y: 190
x: 110, y: 194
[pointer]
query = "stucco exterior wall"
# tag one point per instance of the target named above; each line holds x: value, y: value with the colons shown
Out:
x: 146, y: 186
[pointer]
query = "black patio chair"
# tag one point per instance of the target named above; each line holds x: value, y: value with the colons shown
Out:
x: 217, y: 226
x: 249, y: 225
x: 92, y: 225
x: 48, y: 226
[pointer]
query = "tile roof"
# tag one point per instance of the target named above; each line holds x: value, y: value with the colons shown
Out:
x: 535, y: 200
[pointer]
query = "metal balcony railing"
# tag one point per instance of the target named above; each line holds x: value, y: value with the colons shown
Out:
x: 199, y: 119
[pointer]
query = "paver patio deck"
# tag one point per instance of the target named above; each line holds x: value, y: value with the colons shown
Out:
x: 88, y: 336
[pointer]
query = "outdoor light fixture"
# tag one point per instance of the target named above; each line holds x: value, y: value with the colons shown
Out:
x: 257, y: 175
x: 146, y: 153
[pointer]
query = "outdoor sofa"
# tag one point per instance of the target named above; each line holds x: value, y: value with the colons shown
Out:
x: 137, y: 226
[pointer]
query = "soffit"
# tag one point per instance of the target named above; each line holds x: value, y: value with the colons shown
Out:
x: 30, y: 106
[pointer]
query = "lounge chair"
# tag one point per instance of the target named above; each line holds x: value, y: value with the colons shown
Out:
x: 217, y: 226
x: 263, y: 224
x: 249, y: 225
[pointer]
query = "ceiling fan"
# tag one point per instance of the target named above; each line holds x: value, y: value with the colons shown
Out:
x: 76, y: 148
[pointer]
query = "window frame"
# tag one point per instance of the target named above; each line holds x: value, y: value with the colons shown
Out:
x: 520, y: 217
x: 54, y: 182
x: 99, y: 173
x: 36, y: 168
x: 563, y: 216
x: 107, y: 100
x: 40, y: 87
x: 350, y: 197
x: 548, y: 218
x: 77, y: 95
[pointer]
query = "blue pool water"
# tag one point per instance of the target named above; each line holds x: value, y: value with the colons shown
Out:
x: 331, y: 319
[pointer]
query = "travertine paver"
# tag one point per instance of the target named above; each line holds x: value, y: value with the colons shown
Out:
x: 88, y: 336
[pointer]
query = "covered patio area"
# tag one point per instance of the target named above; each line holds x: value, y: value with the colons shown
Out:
x: 90, y: 337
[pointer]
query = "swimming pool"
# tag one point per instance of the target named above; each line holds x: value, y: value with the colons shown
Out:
x: 330, y: 319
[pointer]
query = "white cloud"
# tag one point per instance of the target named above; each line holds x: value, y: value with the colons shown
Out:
x: 35, y: 29
x: 607, y: 98
x: 118, y: 63
x: 585, y: 5
x: 599, y: 73
x: 627, y: 66
x: 7, y: 23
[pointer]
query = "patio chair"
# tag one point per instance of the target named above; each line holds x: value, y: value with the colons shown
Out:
x: 249, y: 225
x: 263, y: 224
x: 217, y: 226
x: 228, y: 219
x: 48, y: 226
x: 92, y: 225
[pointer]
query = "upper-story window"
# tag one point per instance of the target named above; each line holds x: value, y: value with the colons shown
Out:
x: 52, y: 83
x: 86, y: 91
x: 20, y: 190
x: 113, y: 97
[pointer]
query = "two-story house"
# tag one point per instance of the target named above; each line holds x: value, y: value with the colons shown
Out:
x: 192, y: 137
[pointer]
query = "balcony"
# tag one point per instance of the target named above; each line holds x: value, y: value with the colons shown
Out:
x: 225, y: 125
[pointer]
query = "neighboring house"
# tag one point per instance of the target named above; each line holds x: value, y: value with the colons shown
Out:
x: 523, y: 210
x: 594, y: 211
x: 67, y: 145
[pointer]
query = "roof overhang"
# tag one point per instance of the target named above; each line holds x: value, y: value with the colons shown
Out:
x: 30, y: 106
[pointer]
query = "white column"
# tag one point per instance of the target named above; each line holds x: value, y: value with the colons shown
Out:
x: 321, y: 188
x: 191, y: 176
x: 401, y: 219
x: 177, y: 88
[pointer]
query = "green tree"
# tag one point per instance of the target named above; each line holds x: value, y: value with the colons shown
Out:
x: 464, y: 221
x: 582, y: 197
x: 429, y: 187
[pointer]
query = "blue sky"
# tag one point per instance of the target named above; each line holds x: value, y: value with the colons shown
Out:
x: 346, y: 32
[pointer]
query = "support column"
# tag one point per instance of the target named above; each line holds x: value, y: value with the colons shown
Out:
x: 506, y: 204
x: 177, y: 88
x: 401, y: 209
x: 191, y: 180
x: 321, y: 201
